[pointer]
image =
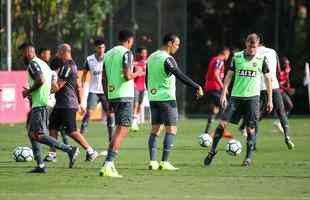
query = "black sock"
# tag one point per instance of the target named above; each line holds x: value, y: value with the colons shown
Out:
x: 52, y: 142
x: 168, y: 141
x: 84, y: 124
x: 153, y: 147
x: 284, y: 124
x: 111, y: 156
x: 217, y: 137
x: 250, y: 145
x: 65, y: 137
x: 37, y: 151
x: 110, y: 126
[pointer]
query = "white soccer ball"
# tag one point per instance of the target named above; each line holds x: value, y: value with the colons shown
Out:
x: 205, y: 140
x: 233, y: 147
x: 22, y: 154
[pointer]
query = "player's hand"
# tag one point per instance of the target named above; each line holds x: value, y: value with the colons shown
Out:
x: 199, y: 92
x: 25, y: 92
x: 269, y: 106
x: 81, y: 110
x: 223, y: 101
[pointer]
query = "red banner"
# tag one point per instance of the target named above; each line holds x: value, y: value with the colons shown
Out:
x: 13, y: 107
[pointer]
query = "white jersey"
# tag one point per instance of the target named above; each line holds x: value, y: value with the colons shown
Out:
x: 272, y: 63
x: 95, y: 68
x: 52, y: 99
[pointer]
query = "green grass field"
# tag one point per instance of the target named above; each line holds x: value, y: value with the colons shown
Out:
x: 276, y: 174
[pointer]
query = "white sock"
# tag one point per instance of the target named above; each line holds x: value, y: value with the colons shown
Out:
x: 51, y: 153
x: 108, y: 163
x: 90, y: 150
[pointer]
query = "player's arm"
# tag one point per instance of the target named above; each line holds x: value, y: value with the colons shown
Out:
x: 146, y: 76
x: 171, y: 67
x: 84, y: 75
x: 227, y: 82
x: 229, y: 75
x: 127, y: 67
x: 54, y: 85
x: 268, y: 82
x: 217, y: 72
x: 104, y: 81
x: 36, y: 74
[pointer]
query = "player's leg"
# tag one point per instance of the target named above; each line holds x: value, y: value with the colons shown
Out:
x: 123, y: 120
x: 251, y: 116
x: 140, y: 101
x: 41, y: 135
x: 213, y: 108
x: 69, y: 121
x: 280, y: 111
x: 263, y: 99
x: 219, y: 131
x: 134, y: 126
x: 64, y: 135
x: 32, y: 127
x: 51, y: 155
x: 288, y: 103
x: 231, y: 114
x: 152, y: 142
x: 110, y: 115
x: 55, y: 125
x: 169, y: 116
x: 92, y: 101
x: 211, y: 113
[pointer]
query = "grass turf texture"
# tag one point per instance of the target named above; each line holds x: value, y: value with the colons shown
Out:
x: 276, y: 173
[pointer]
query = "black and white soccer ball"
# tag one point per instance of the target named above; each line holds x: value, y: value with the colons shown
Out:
x: 233, y: 147
x: 205, y: 140
x: 22, y: 154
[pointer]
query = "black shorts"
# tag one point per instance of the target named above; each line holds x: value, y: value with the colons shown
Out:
x: 63, y: 118
x: 123, y: 112
x: 37, y: 121
x: 164, y: 112
x: 94, y: 98
x: 139, y: 95
x: 213, y: 97
x: 242, y: 108
x: 278, y: 105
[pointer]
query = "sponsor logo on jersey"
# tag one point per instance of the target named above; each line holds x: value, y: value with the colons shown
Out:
x: 247, y: 73
x: 153, y: 91
x: 111, y: 88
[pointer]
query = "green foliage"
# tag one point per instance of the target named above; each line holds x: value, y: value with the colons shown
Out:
x: 48, y: 22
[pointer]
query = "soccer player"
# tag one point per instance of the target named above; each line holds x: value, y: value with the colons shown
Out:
x: 68, y: 102
x: 214, y: 85
x: 247, y: 68
x: 139, y: 65
x: 93, y: 65
x: 118, y: 84
x: 162, y: 71
x: 55, y: 64
x: 45, y: 54
x: 39, y: 78
x: 285, y: 86
x: 272, y: 62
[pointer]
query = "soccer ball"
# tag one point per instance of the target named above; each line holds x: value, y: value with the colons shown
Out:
x: 22, y: 154
x: 233, y: 147
x: 205, y: 140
